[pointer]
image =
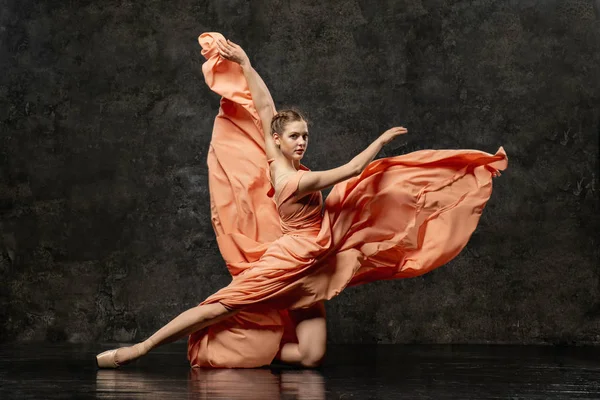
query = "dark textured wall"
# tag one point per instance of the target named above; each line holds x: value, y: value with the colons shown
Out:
x: 105, y: 122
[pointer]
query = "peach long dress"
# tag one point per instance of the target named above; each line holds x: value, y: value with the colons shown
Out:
x: 402, y: 217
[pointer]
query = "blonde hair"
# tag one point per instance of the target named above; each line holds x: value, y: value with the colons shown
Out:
x: 284, y: 117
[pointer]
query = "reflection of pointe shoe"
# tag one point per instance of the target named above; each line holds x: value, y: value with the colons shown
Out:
x: 107, y: 359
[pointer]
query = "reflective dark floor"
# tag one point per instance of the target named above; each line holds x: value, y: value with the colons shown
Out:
x: 50, y: 371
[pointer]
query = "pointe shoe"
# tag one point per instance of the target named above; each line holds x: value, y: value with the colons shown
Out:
x: 108, y: 359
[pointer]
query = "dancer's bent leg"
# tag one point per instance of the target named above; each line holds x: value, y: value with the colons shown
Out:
x: 311, y: 330
x: 184, y: 324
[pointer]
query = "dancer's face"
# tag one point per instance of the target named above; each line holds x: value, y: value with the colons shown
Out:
x: 294, y: 140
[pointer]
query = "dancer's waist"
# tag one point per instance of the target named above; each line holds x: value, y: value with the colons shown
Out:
x: 312, y: 230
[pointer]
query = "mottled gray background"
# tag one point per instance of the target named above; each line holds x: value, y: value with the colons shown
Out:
x: 105, y: 122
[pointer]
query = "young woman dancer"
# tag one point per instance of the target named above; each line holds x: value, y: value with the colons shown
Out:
x: 396, y: 217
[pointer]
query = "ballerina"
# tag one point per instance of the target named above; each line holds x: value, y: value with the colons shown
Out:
x: 282, y: 275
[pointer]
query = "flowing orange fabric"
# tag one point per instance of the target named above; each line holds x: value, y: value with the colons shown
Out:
x: 402, y: 217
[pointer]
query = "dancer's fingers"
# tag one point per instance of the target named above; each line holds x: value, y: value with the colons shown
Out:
x: 227, y: 52
x: 227, y: 45
x: 223, y: 50
x: 222, y: 45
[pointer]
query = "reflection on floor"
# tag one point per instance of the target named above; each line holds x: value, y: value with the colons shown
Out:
x: 52, y: 371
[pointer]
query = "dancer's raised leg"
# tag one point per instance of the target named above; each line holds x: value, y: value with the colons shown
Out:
x: 311, y: 330
x: 184, y: 324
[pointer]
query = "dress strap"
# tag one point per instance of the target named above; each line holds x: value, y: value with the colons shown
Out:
x: 290, y: 187
x: 292, y: 182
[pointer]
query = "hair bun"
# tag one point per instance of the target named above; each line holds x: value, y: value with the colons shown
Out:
x: 284, y: 117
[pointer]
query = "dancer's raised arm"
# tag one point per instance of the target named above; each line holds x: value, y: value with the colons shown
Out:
x: 318, y: 180
x: 261, y: 97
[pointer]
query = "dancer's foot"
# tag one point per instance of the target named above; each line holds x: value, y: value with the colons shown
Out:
x: 123, y: 355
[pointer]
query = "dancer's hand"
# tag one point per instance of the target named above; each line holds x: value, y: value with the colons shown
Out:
x: 232, y: 52
x: 390, y: 134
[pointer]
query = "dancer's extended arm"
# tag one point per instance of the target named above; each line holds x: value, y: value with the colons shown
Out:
x: 264, y: 106
x: 318, y: 180
x: 260, y: 94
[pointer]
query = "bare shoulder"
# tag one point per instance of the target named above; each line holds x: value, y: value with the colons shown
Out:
x: 279, y: 167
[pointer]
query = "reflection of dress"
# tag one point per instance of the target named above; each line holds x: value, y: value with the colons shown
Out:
x: 402, y: 217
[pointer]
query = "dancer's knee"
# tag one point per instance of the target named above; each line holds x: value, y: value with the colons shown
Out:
x: 312, y: 357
